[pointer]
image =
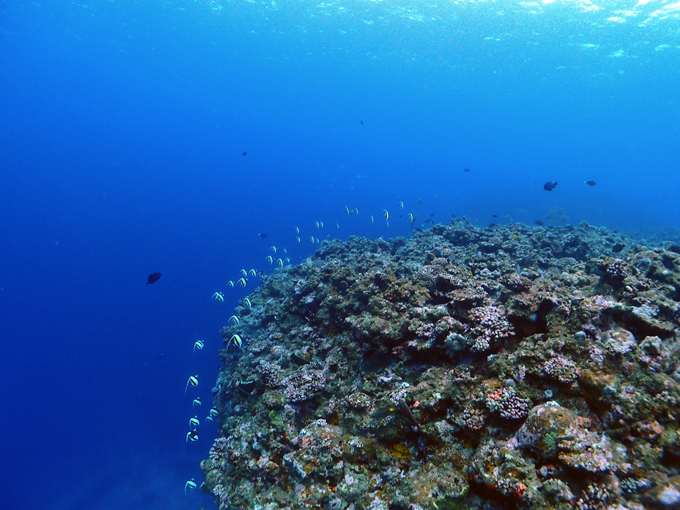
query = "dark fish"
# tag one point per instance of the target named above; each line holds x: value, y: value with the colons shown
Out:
x: 492, y: 225
x: 618, y: 247
x: 467, y: 170
x: 422, y: 447
x: 244, y: 153
x: 263, y: 236
x: 494, y: 216
x: 384, y: 412
x: 590, y: 183
x: 362, y: 122
x: 153, y: 278
x: 539, y: 223
x: 549, y: 186
x: 406, y: 411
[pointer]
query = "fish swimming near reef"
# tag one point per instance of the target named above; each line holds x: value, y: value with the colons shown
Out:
x: 384, y: 412
x: 549, y: 186
x: 539, y: 223
x: 590, y: 183
x: 618, y: 247
x: 153, y: 278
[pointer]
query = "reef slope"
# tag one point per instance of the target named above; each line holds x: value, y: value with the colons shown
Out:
x: 507, y: 367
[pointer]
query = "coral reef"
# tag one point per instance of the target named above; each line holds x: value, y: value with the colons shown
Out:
x: 507, y: 368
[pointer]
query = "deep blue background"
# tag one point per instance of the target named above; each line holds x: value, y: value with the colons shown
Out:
x: 121, y: 132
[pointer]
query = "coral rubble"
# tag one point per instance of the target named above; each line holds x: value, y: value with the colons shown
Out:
x: 508, y: 367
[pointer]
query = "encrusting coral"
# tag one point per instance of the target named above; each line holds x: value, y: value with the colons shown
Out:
x: 508, y: 367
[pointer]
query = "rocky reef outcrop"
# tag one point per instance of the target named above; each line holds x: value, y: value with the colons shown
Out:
x: 507, y: 368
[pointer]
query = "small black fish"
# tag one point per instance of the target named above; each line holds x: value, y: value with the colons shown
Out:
x: 467, y: 170
x: 590, y: 183
x: 539, y: 223
x: 263, y: 236
x: 618, y: 247
x: 384, y: 412
x: 362, y: 122
x: 492, y: 225
x: 244, y: 153
x: 422, y: 447
x: 406, y: 411
x: 153, y: 278
x: 549, y: 186
x: 494, y: 216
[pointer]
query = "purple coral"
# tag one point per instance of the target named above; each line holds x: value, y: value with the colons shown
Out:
x: 562, y: 369
x: 218, y: 452
x: 430, y: 274
x: 269, y: 373
x: 303, y: 385
x: 505, y: 402
x: 488, y: 327
x: 472, y: 419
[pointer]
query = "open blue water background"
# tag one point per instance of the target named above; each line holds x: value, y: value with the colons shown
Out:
x: 122, y: 128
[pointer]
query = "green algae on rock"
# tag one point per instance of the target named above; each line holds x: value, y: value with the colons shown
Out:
x: 537, y: 370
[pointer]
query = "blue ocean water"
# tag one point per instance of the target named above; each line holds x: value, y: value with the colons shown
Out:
x: 165, y: 136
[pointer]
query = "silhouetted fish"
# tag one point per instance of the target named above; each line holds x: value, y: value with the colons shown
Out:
x: 362, y: 122
x: 467, y: 170
x: 549, y: 186
x: 618, y: 247
x: 384, y: 412
x: 153, y: 278
x: 263, y: 236
x: 539, y: 223
x: 590, y: 183
x: 494, y: 216
x: 244, y: 153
